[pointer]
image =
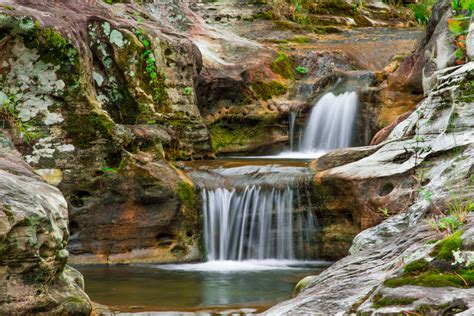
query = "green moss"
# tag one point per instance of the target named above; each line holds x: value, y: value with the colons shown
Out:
x: 444, y: 249
x: 420, y: 265
x: 299, y: 39
x: 84, y: 129
x: 186, y: 195
x: 434, y: 278
x: 54, y: 38
x: 113, y: 1
x: 282, y: 66
x: 383, y: 301
x: 264, y: 15
x: 447, y: 308
x: 7, y: 7
x: 232, y: 135
x: 266, y: 90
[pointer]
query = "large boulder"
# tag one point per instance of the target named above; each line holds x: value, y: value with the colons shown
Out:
x: 34, y: 277
x: 103, y: 95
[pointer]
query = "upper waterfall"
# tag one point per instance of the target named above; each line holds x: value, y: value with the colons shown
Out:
x: 330, y: 123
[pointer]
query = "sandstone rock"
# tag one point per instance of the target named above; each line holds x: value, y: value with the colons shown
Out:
x: 34, y: 278
x: 115, y: 98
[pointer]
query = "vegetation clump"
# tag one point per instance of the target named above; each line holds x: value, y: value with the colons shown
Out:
x: 444, y: 249
x: 442, y: 271
x: 186, y: 195
x: 157, y: 80
x: 9, y: 118
x: 458, y: 25
x: 232, y: 135
x: 282, y: 66
x: 266, y: 90
x: 435, y: 278
x: 422, y: 10
x: 383, y: 301
x: 301, y: 70
x: 420, y: 265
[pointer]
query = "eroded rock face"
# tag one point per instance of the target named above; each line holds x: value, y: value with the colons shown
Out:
x: 249, y: 86
x: 106, y: 93
x: 34, y: 277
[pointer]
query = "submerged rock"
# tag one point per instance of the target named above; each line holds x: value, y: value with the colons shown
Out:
x: 34, y: 277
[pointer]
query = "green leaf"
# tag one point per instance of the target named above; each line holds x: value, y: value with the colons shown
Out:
x: 455, y: 26
x: 467, y: 5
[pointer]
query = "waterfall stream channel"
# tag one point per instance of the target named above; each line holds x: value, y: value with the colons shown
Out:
x: 259, y: 228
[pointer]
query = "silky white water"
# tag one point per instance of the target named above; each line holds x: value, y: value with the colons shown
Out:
x: 255, y: 223
x: 329, y: 126
x: 330, y: 123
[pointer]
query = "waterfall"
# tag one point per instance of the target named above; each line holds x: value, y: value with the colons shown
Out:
x: 254, y: 223
x: 330, y: 123
x: 292, y: 129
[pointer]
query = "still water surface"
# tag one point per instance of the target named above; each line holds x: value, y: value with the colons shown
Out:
x: 213, y: 287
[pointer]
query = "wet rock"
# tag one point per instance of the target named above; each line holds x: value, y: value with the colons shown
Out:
x: 34, y: 277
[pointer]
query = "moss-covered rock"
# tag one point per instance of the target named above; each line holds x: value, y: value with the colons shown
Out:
x: 282, y: 66
x: 444, y: 249
x: 33, y: 236
x: 267, y: 90
x: 115, y: 96
x: 383, y: 301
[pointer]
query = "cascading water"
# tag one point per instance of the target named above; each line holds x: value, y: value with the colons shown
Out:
x: 293, y: 115
x: 330, y: 123
x: 255, y: 223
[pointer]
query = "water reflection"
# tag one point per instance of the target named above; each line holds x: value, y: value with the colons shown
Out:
x: 148, y: 288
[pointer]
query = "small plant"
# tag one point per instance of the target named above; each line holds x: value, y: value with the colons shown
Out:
x: 385, y: 212
x: 459, y: 24
x: 187, y: 90
x: 156, y: 79
x: 422, y: 10
x: 301, y: 70
x: 9, y: 119
x: 109, y: 169
x: 457, y: 209
x: 426, y: 194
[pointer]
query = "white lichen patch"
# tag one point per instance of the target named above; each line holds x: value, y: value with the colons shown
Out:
x: 106, y: 27
x: 117, y: 38
x: 65, y: 148
x: 47, y: 147
x: 32, y: 83
x: 53, y: 118
x: 102, y: 98
x: 3, y: 98
x: 98, y: 78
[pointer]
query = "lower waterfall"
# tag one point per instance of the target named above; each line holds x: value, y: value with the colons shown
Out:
x: 255, y: 223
